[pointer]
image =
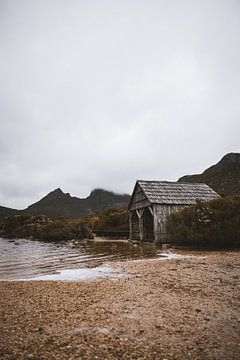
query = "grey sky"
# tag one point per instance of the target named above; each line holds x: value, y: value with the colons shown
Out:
x: 100, y: 93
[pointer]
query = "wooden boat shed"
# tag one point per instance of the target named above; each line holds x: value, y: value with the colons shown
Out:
x: 153, y: 201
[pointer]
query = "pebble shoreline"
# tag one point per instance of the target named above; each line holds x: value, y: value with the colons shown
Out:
x: 171, y: 309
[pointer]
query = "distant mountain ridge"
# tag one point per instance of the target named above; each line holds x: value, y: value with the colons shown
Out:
x: 224, y: 177
x: 57, y: 203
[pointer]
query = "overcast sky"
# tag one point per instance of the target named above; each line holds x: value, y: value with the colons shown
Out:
x: 97, y: 94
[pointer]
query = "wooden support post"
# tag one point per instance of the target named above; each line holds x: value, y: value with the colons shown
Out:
x: 141, y: 226
x: 157, y: 225
x: 130, y: 225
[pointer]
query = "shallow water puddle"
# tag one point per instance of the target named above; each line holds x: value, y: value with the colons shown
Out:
x: 168, y: 255
x: 72, y: 260
x: 67, y: 259
x: 81, y: 274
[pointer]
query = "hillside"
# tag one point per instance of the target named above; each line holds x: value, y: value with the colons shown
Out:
x: 224, y: 177
x: 57, y: 203
x: 4, y: 211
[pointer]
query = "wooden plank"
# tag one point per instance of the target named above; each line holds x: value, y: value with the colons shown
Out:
x: 139, y: 199
x: 150, y: 209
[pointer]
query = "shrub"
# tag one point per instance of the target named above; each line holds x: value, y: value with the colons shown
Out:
x: 111, y: 220
x: 214, y: 224
x: 43, y: 228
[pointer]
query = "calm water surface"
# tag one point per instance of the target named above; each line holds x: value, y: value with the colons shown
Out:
x: 28, y: 259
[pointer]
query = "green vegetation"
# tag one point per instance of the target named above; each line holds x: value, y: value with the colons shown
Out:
x: 224, y: 177
x: 110, y: 220
x: 42, y: 228
x: 215, y: 224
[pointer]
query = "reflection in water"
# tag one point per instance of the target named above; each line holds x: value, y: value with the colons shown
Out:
x: 24, y: 259
x: 120, y: 249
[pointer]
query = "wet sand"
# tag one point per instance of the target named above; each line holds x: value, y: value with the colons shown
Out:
x: 163, y: 309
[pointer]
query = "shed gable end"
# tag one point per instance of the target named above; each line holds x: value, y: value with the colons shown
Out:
x: 138, y: 199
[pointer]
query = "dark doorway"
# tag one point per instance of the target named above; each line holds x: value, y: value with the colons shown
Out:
x: 148, y: 225
x: 135, y: 226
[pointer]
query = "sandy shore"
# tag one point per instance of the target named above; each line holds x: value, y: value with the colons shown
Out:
x: 172, y: 309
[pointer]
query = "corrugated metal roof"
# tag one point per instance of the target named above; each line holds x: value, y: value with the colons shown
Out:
x: 165, y: 192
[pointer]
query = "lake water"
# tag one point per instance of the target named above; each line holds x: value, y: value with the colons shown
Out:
x: 23, y: 259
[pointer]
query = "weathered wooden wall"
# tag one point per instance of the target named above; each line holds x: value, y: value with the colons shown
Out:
x: 139, y: 199
x: 161, y: 213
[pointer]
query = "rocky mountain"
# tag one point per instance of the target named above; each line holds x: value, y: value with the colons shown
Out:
x: 224, y: 177
x: 57, y: 203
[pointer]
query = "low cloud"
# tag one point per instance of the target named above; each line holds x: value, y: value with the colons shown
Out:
x: 101, y: 93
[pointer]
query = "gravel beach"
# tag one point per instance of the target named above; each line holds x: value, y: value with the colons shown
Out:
x: 162, y: 309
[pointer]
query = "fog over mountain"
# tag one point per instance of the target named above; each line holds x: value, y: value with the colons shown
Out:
x: 97, y: 94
